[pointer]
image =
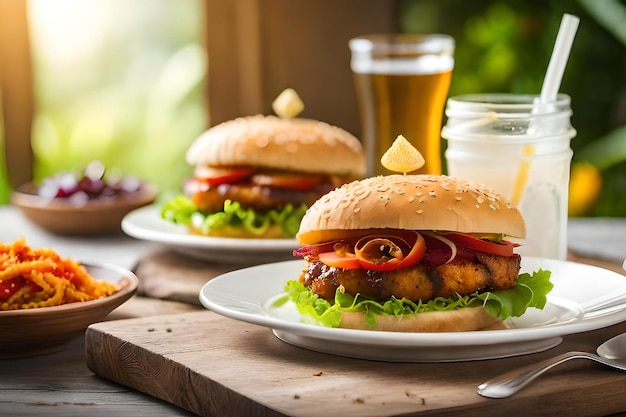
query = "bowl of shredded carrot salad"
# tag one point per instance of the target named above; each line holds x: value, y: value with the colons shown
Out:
x: 46, y: 300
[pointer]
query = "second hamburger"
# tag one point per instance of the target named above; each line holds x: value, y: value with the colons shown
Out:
x: 255, y: 176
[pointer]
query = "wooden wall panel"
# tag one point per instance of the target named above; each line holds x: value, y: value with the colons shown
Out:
x: 257, y: 48
x: 16, y: 90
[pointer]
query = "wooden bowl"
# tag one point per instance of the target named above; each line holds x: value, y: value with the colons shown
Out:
x: 97, y: 216
x: 37, y: 331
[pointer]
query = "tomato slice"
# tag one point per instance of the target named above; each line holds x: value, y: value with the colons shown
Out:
x: 290, y: 181
x: 378, y: 253
x: 214, y: 176
x: 502, y: 248
x: 403, y: 252
x: 390, y: 265
x: 11, y: 286
x: 409, y: 255
x: 339, y: 261
x: 416, y: 254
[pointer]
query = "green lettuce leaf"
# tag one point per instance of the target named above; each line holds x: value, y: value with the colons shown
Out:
x: 181, y: 210
x: 178, y: 210
x: 531, y: 291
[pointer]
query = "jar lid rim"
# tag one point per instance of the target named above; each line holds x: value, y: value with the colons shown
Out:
x: 506, y: 102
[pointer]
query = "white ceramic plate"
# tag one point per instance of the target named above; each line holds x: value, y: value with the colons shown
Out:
x: 146, y: 224
x: 584, y: 298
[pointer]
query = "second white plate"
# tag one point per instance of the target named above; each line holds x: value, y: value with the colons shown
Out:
x: 146, y: 224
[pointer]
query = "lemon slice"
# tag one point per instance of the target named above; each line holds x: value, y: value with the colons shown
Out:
x: 402, y: 157
x: 288, y: 104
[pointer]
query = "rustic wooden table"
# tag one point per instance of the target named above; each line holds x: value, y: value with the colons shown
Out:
x: 61, y: 384
x: 216, y: 366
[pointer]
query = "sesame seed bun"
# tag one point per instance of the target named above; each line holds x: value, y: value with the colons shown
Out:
x: 410, y: 202
x: 299, y: 145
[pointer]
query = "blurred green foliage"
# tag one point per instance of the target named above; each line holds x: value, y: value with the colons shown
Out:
x: 505, y: 46
x: 134, y: 99
x: 4, y: 183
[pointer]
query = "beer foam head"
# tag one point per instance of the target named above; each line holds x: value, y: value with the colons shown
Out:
x: 402, y: 54
x: 427, y: 64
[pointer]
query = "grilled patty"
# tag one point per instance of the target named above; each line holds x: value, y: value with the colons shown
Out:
x: 421, y: 281
x: 253, y: 196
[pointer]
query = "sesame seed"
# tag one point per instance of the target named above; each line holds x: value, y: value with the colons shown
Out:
x: 281, y: 139
x: 420, y: 211
x: 432, y: 193
x: 357, y: 209
x: 411, y: 199
x: 458, y: 198
x: 262, y: 142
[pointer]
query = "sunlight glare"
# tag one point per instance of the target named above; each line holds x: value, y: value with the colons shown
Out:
x: 68, y: 30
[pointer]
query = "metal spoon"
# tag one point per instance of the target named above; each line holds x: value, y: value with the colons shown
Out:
x: 611, y: 353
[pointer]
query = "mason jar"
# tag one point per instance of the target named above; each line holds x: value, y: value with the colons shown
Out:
x: 519, y: 147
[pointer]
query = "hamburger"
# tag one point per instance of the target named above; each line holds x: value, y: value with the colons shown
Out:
x: 414, y: 253
x: 255, y: 176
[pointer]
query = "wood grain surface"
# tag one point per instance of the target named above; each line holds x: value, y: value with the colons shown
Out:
x: 215, y: 366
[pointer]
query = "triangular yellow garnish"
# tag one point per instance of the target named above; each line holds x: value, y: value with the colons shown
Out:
x: 288, y: 104
x: 402, y: 157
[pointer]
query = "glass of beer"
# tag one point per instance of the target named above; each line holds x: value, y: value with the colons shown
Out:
x: 402, y: 83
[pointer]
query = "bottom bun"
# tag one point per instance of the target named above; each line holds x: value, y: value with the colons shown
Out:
x: 463, y: 320
x: 272, y: 232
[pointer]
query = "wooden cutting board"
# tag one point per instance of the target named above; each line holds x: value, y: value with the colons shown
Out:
x: 215, y: 366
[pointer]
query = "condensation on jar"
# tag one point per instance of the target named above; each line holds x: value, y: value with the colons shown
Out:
x: 520, y: 148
